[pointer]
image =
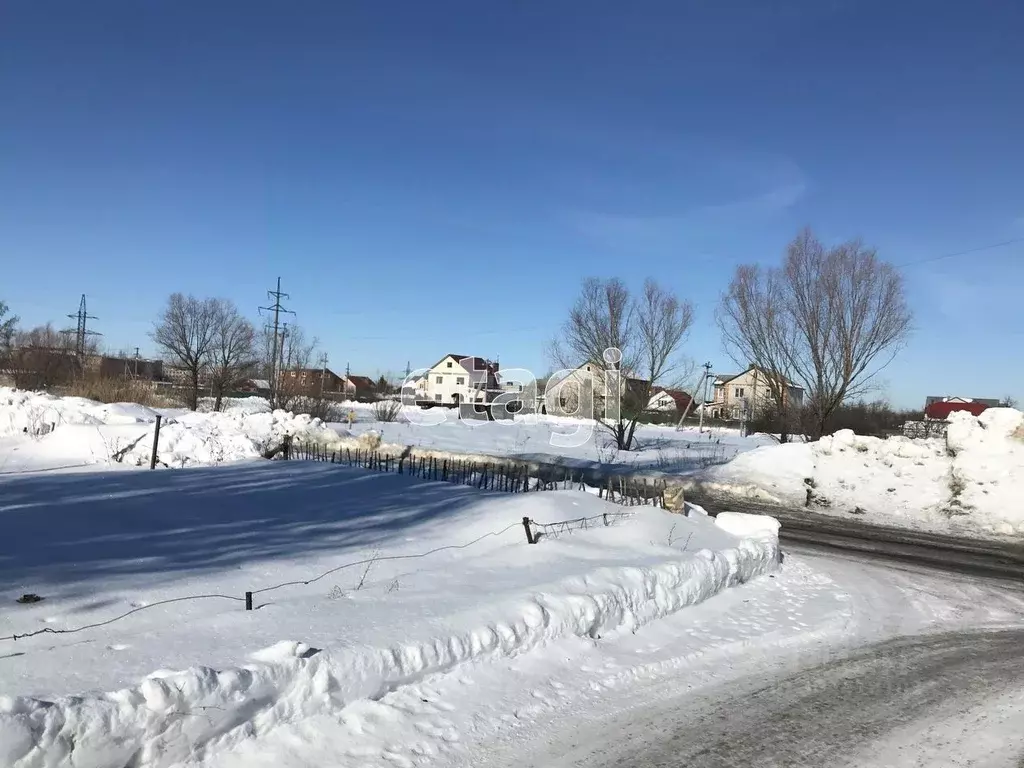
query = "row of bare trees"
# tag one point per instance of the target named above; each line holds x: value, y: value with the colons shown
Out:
x: 212, y: 342
x: 828, y: 319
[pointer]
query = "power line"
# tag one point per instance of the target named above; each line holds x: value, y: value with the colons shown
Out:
x: 930, y: 259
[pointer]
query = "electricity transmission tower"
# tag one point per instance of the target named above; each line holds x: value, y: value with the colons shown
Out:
x: 278, y: 310
x: 81, y: 331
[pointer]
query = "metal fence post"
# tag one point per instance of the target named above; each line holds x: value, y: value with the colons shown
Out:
x: 156, y: 442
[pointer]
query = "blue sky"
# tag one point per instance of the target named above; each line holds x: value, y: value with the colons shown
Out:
x: 438, y: 177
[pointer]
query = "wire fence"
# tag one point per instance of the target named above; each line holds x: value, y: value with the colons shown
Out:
x: 508, y: 476
x: 482, y: 475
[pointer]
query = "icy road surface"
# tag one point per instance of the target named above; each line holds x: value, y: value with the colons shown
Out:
x: 950, y: 699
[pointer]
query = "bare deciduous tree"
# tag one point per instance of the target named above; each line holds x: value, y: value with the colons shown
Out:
x: 295, y: 355
x: 233, y: 350
x: 185, y: 332
x: 8, y: 324
x: 829, y: 318
x: 1009, y: 401
x: 756, y: 329
x: 647, y: 330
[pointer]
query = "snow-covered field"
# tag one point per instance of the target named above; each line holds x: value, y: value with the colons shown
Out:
x: 970, y: 484
x: 973, y: 481
x: 40, y: 432
x: 193, y: 677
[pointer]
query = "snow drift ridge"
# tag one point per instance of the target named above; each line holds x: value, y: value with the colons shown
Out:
x: 176, y: 715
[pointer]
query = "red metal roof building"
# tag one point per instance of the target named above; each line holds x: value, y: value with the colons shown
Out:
x: 939, y: 411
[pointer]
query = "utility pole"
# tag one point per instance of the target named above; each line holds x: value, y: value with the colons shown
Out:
x: 323, y: 373
x: 81, y: 332
x: 278, y: 310
x: 704, y: 397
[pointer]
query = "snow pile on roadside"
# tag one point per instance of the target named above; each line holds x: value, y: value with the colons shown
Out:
x: 203, y: 439
x: 37, y: 413
x: 44, y: 431
x: 987, y: 475
x: 391, y: 626
x: 973, y: 478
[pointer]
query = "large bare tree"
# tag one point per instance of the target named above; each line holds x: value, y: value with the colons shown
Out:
x: 233, y: 351
x: 756, y: 328
x: 829, y: 318
x: 186, y: 331
x: 647, y: 329
x: 295, y: 354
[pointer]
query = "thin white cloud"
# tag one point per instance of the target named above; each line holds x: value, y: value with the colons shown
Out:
x: 649, y: 193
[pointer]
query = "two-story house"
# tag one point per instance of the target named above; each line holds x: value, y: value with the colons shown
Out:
x: 313, y: 381
x: 588, y: 383
x: 750, y: 392
x: 458, y: 379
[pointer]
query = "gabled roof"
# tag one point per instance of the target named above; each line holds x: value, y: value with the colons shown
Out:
x: 362, y: 382
x: 471, y: 363
x: 726, y: 378
x: 681, y: 398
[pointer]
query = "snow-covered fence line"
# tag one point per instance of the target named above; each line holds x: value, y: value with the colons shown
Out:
x: 503, y: 475
x: 532, y: 538
x: 568, y: 526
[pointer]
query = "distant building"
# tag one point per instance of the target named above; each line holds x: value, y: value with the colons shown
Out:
x: 750, y: 392
x: 938, y: 408
x: 669, y: 400
x: 359, y: 387
x: 990, y: 402
x: 456, y: 379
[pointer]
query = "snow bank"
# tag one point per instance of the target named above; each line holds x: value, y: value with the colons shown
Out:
x: 748, y: 526
x: 58, y: 431
x: 202, y: 439
x: 37, y: 413
x: 412, y: 618
x: 974, y: 478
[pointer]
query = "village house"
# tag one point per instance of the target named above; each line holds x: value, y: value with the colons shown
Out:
x: 749, y: 392
x: 938, y: 407
x: 456, y: 379
x: 582, y: 393
x: 359, y: 387
x: 313, y: 380
x: 669, y: 400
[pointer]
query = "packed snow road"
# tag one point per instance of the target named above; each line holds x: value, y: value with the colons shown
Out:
x: 948, y: 699
x: 835, y: 660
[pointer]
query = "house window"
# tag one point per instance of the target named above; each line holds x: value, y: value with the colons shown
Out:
x: 449, y: 364
x: 739, y: 392
x: 437, y: 398
x: 460, y: 379
x: 562, y: 402
x: 440, y: 380
x: 479, y: 399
